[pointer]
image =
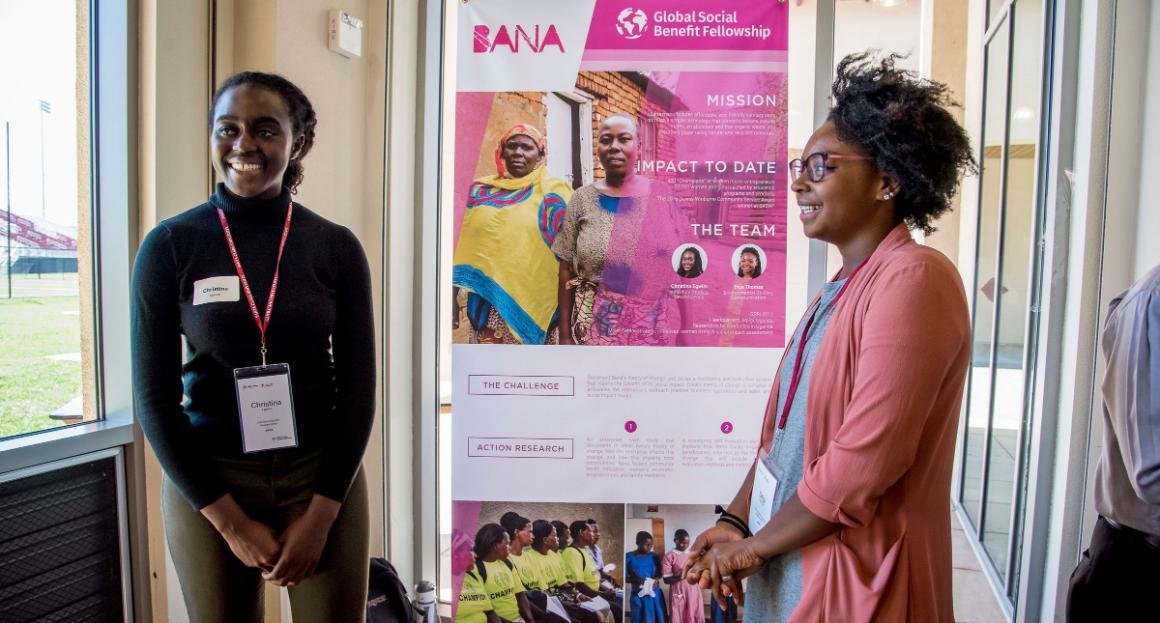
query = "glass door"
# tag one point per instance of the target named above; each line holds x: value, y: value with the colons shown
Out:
x: 1005, y: 292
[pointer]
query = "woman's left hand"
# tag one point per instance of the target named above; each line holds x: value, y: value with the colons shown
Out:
x: 303, y: 542
x: 722, y: 568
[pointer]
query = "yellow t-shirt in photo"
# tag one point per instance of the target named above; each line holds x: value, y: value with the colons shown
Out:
x: 473, y: 601
x: 551, y: 567
x: 502, y: 585
x: 529, y: 572
x: 581, y: 568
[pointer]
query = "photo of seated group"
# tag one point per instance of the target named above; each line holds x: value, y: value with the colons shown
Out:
x: 535, y: 562
x: 655, y: 591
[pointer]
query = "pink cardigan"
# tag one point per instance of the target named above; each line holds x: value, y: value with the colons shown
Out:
x: 883, y: 408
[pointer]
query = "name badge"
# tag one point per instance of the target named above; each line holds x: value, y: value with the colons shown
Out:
x: 216, y: 290
x: 266, y: 407
x: 764, y: 490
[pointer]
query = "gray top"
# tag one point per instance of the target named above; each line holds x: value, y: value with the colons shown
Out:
x: 773, y: 593
x: 1128, y: 474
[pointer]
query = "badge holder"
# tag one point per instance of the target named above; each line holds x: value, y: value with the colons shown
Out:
x: 765, y: 485
x: 266, y: 407
x: 265, y: 400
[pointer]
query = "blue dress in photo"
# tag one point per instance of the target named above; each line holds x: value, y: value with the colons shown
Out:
x: 637, y: 568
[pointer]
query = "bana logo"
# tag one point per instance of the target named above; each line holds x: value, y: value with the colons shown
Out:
x: 631, y: 23
x: 535, y: 38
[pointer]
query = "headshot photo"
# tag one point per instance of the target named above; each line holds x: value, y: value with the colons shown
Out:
x: 690, y: 261
x: 748, y: 261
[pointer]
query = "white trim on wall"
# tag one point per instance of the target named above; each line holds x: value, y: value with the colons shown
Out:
x: 1074, y: 258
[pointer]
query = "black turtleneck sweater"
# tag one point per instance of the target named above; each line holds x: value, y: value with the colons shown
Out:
x: 322, y: 326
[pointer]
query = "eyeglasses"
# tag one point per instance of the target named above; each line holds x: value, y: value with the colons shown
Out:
x: 815, y: 164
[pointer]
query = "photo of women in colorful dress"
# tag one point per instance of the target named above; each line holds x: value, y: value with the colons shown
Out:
x: 569, y: 206
x: 504, y: 271
x: 616, y: 234
x: 668, y: 528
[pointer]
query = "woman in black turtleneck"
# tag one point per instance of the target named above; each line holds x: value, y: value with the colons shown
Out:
x: 293, y: 516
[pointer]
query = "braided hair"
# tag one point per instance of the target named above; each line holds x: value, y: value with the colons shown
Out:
x: 302, y: 117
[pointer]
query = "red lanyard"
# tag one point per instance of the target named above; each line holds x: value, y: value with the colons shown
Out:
x: 798, y: 364
x: 263, y: 323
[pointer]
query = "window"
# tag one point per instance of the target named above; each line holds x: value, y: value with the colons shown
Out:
x: 999, y: 399
x: 47, y: 324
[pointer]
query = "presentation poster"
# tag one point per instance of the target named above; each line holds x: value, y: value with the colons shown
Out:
x: 619, y: 260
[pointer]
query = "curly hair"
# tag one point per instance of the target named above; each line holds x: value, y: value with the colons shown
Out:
x: 902, y: 121
x: 302, y: 117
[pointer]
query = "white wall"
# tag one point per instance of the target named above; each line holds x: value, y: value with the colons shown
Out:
x: 862, y: 26
x: 1147, y: 250
x: 694, y: 518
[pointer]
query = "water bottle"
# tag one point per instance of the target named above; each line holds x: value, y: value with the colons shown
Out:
x: 426, y: 610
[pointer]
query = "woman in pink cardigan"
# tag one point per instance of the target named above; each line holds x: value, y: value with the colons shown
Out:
x: 866, y: 516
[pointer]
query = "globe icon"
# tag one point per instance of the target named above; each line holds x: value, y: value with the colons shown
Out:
x: 630, y: 23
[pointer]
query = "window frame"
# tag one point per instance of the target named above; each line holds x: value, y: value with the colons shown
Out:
x: 113, y: 190
x: 112, y: 48
x: 1031, y: 585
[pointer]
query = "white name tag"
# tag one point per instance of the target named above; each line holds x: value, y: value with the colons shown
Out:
x: 266, y: 407
x: 761, y: 500
x: 216, y: 290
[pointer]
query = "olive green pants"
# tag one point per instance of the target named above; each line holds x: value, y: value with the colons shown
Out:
x: 274, y: 490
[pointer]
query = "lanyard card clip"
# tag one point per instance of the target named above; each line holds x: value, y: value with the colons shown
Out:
x: 266, y: 407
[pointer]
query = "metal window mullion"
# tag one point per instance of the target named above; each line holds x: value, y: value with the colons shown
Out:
x: 823, y: 76
x: 1034, y: 296
x: 433, y: 24
x: 995, y: 318
x: 1094, y: 392
x: 94, y: 212
x: 1057, y: 134
x: 965, y: 432
x: 996, y: 24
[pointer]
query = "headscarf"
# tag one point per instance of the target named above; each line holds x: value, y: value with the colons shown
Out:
x: 504, y: 257
x: 519, y: 128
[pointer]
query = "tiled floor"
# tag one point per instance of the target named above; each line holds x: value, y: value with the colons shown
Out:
x: 974, y: 600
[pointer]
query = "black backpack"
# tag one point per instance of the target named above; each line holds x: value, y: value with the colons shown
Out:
x: 387, y: 600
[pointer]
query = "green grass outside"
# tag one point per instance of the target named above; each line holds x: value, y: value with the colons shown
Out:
x: 31, y: 385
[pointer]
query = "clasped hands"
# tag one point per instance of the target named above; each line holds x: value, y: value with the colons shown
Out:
x: 720, y: 558
x: 286, y: 559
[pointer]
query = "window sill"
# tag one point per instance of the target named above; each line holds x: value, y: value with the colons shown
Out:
x: 67, y: 441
